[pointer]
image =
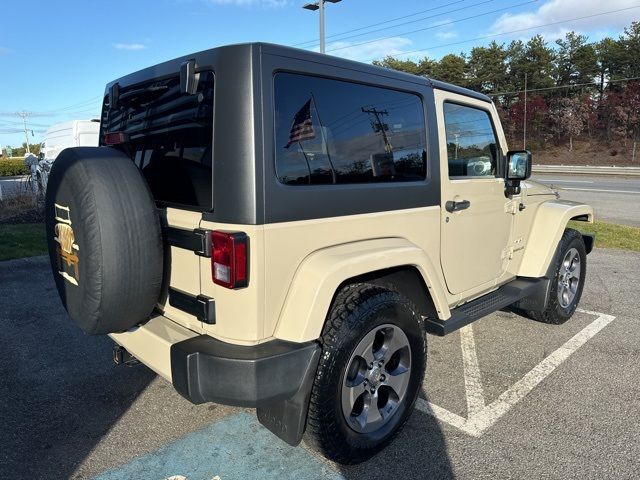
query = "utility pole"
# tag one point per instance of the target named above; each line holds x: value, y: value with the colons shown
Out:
x: 524, y: 130
x: 379, y: 126
x: 319, y: 5
x: 24, y: 116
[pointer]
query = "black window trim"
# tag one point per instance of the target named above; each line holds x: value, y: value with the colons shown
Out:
x: 329, y: 186
x: 499, y: 170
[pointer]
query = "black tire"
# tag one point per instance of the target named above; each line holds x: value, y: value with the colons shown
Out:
x: 108, y: 261
x: 555, y: 313
x: 356, y: 310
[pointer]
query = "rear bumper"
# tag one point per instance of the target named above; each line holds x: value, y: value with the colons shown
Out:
x: 204, y: 369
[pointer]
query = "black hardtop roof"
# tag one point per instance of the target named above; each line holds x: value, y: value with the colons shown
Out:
x: 297, y: 53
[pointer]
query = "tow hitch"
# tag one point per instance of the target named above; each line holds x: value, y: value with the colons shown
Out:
x: 122, y: 357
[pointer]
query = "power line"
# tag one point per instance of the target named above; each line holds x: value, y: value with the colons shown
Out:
x: 12, y: 123
x: 428, y: 17
x: 58, y: 111
x: 493, y: 35
x: 591, y: 84
x: 79, y: 104
x: 380, y: 23
x: 434, y: 26
x: 313, y: 42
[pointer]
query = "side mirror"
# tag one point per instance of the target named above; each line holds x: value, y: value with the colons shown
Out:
x: 518, y: 165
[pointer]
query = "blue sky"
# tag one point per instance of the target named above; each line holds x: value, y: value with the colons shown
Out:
x: 56, y: 56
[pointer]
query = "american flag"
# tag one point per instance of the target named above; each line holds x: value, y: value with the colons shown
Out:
x: 302, y: 127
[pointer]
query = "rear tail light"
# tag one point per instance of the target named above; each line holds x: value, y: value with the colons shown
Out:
x: 115, y: 138
x: 230, y: 259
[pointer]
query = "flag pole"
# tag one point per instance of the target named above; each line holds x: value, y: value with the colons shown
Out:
x: 306, y: 160
x: 324, y: 139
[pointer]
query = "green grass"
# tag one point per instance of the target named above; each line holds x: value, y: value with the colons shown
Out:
x: 22, y: 240
x: 609, y: 235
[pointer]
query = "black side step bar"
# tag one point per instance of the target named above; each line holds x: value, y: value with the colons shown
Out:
x: 474, y: 310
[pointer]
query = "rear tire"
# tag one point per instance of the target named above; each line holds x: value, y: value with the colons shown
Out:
x: 366, y: 320
x: 567, y: 273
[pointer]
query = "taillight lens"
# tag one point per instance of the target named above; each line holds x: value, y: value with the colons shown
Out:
x: 115, y: 138
x: 230, y: 259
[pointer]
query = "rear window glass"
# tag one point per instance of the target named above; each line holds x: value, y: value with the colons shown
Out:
x: 330, y: 131
x: 169, y: 137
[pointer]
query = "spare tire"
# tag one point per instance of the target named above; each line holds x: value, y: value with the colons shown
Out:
x: 104, y: 239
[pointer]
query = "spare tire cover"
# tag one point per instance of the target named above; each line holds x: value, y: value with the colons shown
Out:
x: 104, y: 239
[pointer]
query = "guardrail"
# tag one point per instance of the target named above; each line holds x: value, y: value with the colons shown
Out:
x: 587, y: 170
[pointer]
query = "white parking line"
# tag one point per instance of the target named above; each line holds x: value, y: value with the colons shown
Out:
x: 563, y: 181
x: 472, y: 380
x: 601, y: 191
x: 480, y: 417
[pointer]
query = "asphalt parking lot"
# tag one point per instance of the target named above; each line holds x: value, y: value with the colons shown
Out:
x: 505, y: 398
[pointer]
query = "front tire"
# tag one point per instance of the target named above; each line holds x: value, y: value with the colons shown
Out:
x: 567, y: 274
x: 369, y: 375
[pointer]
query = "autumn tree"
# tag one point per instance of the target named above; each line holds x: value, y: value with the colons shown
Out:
x: 570, y: 119
x: 574, y: 87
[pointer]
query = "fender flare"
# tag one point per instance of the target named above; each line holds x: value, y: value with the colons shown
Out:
x: 321, y: 274
x: 548, y: 226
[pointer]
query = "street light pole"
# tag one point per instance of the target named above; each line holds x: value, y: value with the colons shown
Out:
x: 321, y: 8
x: 319, y: 5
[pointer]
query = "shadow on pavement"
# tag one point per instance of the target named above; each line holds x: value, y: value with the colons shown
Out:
x: 60, y: 393
x: 419, y: 452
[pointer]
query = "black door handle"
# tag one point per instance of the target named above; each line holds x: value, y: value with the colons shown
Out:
x: 453, y: 206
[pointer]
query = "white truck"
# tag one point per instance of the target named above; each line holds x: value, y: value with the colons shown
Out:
x: 74, y: 133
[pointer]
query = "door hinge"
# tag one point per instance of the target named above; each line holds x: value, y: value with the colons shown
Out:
x: 198, y: 240
x: 200, y: 306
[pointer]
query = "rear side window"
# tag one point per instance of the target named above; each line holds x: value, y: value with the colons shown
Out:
x: 472, y: 145
x: 169, y: 137
x: 330, y: 131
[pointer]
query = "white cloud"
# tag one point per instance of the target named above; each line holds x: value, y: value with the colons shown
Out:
x: 443, y: 27
x: 446, y: 35
x: 553, y: 11
x: 250, y: 3
x: 376, y: 49
x: 129, y: 46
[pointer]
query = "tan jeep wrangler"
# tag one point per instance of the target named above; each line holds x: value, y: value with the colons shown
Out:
x: 272, y: 228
